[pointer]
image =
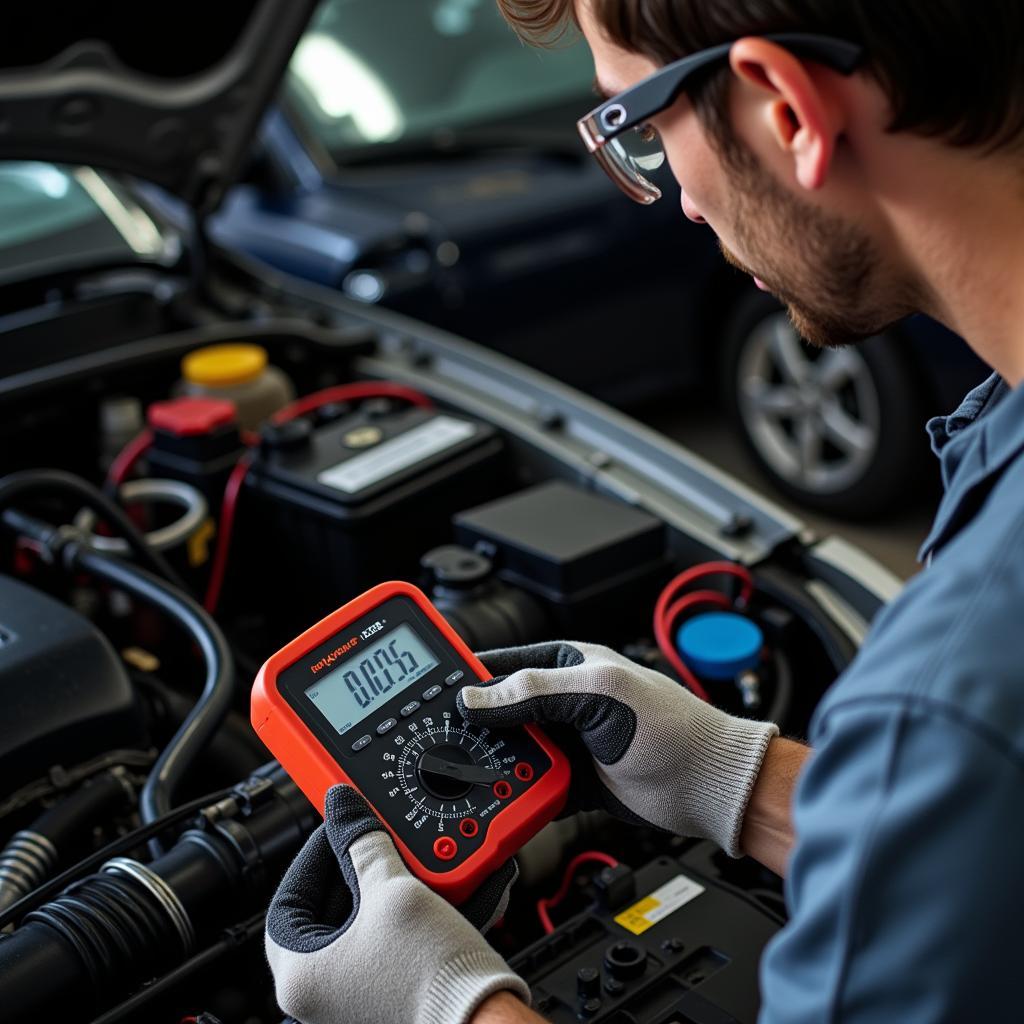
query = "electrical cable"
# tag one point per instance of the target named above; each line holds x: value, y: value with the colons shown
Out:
x: 350, y: 393
x: 544, y: 905
x: 669, y: 607
x: 127, y: 458
x: 301, y: 407
x: 229, y: 506
x: 663, y: 634
x: 699, y: 572
x: 35, y: 482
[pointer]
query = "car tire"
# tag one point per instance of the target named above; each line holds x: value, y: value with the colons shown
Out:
x: 837, y: 430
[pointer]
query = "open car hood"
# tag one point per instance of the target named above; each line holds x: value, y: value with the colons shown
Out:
x: 172, y: 95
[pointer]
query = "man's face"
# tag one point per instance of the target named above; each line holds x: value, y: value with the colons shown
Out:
x: 822, y: 264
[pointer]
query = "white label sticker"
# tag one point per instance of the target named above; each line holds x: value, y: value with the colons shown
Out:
x: 662, y: 902
x: 397, y: 454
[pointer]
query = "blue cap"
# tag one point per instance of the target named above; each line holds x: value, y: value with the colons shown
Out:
x: 719, y: 645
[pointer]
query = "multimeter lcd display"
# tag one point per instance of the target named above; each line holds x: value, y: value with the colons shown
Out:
x: 350, y: 693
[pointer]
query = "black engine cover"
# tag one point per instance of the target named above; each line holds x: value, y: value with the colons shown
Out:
x: 64, y: 694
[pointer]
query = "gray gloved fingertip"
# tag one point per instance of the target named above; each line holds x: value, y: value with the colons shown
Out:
x: 474, y: 702
x: 347, y: 817
x: 343, y: 801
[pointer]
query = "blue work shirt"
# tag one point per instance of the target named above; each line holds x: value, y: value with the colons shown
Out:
x: 906, y: 885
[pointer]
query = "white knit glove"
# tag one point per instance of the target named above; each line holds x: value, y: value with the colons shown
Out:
x: 353, y: 938
x: 647, y: 749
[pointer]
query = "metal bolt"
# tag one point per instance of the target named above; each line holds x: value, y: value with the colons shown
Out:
x: 750, y: 689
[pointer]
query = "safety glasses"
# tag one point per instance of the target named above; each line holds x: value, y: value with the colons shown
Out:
x: 628, y: 148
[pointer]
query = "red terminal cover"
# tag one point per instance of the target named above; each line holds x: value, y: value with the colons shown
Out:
x: 191, y: 416
x: 314, y: 770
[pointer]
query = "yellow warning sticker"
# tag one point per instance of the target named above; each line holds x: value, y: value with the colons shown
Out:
x: 663, y: 901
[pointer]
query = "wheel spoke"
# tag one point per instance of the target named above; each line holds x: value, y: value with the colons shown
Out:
x: 778, y: 402
x: 844, y: 432
x: 836, y: 367
x: 788, y: 353
x: 809, y: 444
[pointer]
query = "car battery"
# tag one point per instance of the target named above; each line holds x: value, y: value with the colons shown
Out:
x: 356, y: 496
x: 684, y: 947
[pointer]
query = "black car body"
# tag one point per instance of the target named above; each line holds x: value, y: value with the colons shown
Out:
x: 461, y: 195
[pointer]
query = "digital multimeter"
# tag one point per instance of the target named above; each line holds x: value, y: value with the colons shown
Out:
x: 367, y: 697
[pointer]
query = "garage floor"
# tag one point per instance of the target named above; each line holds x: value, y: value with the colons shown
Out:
x: 893, y: 539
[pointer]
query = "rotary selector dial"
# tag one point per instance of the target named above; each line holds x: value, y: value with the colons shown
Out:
x: 445, y: 769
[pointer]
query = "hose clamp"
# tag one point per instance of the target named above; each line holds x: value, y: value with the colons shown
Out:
x: 160, y: 891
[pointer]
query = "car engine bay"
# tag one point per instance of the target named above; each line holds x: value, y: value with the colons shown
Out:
x: 160, y: 543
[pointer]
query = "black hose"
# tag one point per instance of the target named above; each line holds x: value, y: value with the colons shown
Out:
x: 36, y: 482
x: 232, y: 938
x: 48, y: 785
x: 214, y: 702
x: 782, y: 702
x: 209, y: 711
x: 232, y: 753
x: 111, y: 921
x: 56, y: 835
x: 77, y: 953
x: 125, y: 844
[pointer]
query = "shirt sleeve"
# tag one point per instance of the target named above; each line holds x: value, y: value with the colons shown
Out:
x: 906, y: 888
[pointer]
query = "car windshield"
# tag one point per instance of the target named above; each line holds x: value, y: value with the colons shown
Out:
x: 379, y: 71
x: 54, y: 217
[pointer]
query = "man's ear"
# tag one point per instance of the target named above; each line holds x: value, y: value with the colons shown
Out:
x: 797, y: 111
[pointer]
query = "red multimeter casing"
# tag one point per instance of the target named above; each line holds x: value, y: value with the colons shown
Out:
x: 367, y: 697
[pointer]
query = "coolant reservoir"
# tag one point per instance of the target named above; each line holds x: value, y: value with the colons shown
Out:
x: 240, y: 373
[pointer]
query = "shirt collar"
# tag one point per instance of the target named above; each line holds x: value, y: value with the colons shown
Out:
x: 944, y: 428
x: 973, y: 444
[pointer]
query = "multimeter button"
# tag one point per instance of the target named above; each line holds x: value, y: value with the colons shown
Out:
x: 502, y: 790
x: 468, y: 827
x: 363, y: 741
x: 454, y: 677
x: 431, y: 693
x: 409, y: 708
x: 523, y: 772
x: 445, y: 848
x: 386, y: 726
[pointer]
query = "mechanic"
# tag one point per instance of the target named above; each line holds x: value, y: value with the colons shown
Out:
x: 857, y: 195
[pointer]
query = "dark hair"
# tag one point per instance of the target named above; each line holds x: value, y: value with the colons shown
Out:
x: 952, y: 69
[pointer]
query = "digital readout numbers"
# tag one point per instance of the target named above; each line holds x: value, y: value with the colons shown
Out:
x: 364, y: 680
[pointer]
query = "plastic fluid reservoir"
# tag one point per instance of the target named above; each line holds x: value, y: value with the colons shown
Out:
x: 720, y: 645
x: 240, y: 373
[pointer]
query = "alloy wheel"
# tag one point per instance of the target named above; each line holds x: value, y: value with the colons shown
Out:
x: 813, y: 415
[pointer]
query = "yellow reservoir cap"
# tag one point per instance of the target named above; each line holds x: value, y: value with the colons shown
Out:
x: 220, y: 366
